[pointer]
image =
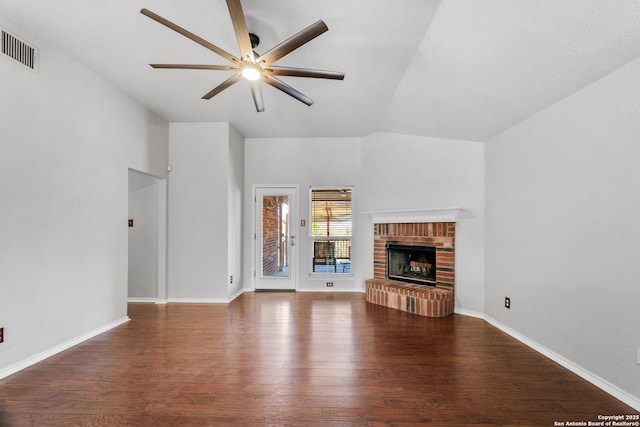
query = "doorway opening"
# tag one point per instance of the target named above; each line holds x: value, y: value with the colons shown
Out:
x: 147, y: 238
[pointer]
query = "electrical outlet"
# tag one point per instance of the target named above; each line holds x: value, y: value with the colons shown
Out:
x: 230, y: 279
x: 329, y: 284
x: 2, y: 336
x: 507, y: 302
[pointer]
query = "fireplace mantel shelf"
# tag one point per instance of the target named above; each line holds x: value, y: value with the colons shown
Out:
x: 419, y: 215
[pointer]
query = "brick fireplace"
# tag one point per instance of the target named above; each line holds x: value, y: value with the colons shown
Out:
x: 423, y: 299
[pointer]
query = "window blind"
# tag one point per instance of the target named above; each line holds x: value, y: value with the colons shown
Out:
x: 331, y: 212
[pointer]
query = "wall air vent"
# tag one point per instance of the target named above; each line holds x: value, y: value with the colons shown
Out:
x: 18, y: 50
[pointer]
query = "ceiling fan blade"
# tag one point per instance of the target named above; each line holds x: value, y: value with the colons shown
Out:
x: 294, y: 42
x: 256, y: 92
x: 222, y: 86
x: 190, y: 35
x: 304, y: 72
x: 279, y: 84
x: 240, y: 27
x: 195, y: 67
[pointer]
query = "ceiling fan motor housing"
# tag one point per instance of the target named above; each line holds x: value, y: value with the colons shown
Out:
x: 255, y: 40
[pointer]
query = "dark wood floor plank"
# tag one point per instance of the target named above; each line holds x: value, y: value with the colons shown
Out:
x: 298, y: 359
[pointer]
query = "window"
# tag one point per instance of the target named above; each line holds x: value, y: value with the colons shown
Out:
x: 331, y: 226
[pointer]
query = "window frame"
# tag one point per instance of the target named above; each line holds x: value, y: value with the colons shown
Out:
x: 312, y: 239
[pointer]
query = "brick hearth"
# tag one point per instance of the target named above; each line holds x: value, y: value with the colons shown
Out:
x: 419, y: 299
x: 429, y: 301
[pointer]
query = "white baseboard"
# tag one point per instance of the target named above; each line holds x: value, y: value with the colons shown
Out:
x: 143, y: 300
x: 158, y: 301
x: 197, y: 300
x: 237, y: 294
x: 469, y: 313
x: 59, y: 348
x: 187, y: 300
x: 614, y: 391
x: 318, y: 290
x: 331, y: 290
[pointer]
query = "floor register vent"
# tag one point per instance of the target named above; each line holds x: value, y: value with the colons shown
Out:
x: 19, y: 50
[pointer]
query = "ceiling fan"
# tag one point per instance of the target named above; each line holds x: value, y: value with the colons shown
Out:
x: 250, y: 65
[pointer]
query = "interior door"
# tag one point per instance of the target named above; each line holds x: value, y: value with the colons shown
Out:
x: 275, y: 238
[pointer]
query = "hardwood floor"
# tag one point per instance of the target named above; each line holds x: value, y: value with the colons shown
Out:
x: 298, y: 359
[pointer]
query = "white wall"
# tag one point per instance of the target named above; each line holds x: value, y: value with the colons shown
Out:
x: 563, y: 235
x: 143, y: 237
x: 202, y: 156
x: 67, y: 139
x: 410, y: 172
x: 305, y: 162
x: 235, y: 197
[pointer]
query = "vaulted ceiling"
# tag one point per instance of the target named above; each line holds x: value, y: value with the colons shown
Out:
x: 462, y: 69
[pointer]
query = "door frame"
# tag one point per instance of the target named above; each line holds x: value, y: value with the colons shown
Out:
x: 160, y: 186
x: 294, y: 228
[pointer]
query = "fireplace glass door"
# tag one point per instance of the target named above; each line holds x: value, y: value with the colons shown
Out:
x: 413, y: 264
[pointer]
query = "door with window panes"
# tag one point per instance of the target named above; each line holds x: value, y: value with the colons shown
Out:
x: 331, y: 230
x: 275, y: 238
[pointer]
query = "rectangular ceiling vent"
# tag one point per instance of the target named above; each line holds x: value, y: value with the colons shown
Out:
x: 18, y: 50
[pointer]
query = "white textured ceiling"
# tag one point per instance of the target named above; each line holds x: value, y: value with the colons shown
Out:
x: 464, y: 69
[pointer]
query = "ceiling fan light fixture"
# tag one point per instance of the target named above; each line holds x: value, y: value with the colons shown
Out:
x: 251, y: 72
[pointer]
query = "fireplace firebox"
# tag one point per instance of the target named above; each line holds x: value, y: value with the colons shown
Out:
x: 412, y: 264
